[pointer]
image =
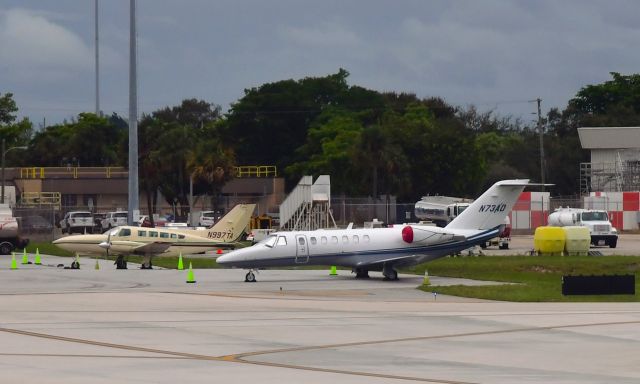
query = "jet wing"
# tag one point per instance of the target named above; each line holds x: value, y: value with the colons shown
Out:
x: 151, y: 248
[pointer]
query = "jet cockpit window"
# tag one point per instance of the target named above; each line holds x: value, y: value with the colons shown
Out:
x: 270, y: 241
x: 282, y: 240
x: 114, y: 231
x: 142, y: 233
x: 125, y: 232
x: 164, y: 235
x: 153, y: 234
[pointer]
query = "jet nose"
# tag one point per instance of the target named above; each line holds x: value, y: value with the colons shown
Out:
x: 223, y: 259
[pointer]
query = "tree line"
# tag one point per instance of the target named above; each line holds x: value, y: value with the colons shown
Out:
x: 371, y: 143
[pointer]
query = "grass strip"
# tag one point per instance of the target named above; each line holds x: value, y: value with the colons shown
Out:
x: 536, y: 278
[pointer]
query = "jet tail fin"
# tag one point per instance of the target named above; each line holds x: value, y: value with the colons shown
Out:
x: 490, y: 209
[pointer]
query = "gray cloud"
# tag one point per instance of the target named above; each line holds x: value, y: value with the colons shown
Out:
x: 496, y: 54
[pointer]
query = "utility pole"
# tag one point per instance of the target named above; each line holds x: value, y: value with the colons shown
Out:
x: 133, y: 206
x: 541, y: 132
x: 97, y: 61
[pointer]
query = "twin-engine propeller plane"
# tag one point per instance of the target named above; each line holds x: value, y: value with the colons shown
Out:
x: 382, y: 249
x: 132, y: 240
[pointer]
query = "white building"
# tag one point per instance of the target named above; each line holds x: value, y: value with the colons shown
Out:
x: 611, y: 181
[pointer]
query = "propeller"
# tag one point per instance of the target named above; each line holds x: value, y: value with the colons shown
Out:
x: 106, y: 245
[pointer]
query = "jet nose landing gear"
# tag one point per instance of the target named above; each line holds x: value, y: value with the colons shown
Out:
x: 250, y: 277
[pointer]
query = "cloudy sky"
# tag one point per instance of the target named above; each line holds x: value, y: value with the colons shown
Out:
x: 495, y: 54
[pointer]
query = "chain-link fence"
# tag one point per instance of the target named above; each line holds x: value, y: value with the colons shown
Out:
x: 42, y: 223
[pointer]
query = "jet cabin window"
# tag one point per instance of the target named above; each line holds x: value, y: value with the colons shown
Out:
x: 356, y: 240
x: 314, y: 241
x: 153, y: 234
x: 164, y: 235
x: 345, y: 239
x: 270, y: 241
x: 323, y: 240
x: 334, y: 239
x: 142, y: 233
x: 365, y: 238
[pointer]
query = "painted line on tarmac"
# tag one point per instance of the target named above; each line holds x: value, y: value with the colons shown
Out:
x: 108, y: 345
x: 92, y: 356
x: 243, y: 357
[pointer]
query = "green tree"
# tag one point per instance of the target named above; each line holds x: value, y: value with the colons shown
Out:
x: 90, y: 141
x: 269, y: 123
x: 14, y: 133
x: 173, y: 145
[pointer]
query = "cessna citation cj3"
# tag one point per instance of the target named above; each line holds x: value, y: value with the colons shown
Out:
x: 382, y: 249
x: 131, y: 240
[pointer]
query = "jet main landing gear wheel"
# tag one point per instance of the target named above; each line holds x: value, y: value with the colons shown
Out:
x: 250, y: 277
x: 361, y: 273
x: 391, y: 275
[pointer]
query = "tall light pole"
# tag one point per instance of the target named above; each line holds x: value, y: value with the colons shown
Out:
x: 133, y: 206
x: 4, y: 152
x: 97, y: 61
x: 541, y: 134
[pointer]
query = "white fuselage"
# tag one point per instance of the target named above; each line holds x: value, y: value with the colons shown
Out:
x: 352, y: 247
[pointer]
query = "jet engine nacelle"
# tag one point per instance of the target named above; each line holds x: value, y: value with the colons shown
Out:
x: 425, y: 234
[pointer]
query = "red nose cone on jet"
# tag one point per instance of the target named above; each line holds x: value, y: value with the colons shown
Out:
x: 407, y: 234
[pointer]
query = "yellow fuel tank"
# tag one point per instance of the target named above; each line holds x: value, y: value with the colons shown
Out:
x: 549, y: 240
x: 577, y: 240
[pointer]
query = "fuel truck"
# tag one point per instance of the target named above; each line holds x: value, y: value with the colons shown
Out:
x: 600, y: 228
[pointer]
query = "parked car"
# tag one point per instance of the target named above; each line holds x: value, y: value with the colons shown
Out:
x: 145, y: 221
x: 208, y: 218
x: 77, y: 221
x: 35, y: 224
x: 114, y: 219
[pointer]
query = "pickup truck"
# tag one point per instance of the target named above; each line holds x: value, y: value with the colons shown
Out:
x: 77, y: 221
x: 114, y: 219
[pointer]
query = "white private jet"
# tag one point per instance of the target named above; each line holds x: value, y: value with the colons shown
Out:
x: 382, y: 249
x: 132, y: 240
